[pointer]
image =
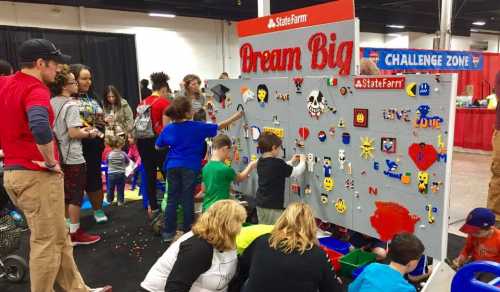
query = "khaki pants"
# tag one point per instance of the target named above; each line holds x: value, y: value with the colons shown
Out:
x: 268, y: 216
x: 494, y: 187
x: 40, y: 195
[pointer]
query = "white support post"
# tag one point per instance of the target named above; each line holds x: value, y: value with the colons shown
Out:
x: 263, y: 7
x: 82, y: 19
x: 445, y: 26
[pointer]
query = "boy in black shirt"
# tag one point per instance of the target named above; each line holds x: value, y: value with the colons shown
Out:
x: 272, y: 172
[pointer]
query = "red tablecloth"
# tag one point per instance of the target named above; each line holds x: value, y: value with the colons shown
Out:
x: 474, y: 128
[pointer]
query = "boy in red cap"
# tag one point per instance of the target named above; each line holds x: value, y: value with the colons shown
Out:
x: 483, y: 240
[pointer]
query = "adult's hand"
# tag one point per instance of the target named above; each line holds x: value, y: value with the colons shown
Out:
x: 57, y: 168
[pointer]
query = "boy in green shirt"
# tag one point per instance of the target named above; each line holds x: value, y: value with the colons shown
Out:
x: 217, y: 176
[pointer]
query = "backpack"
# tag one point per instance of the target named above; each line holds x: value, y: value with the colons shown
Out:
x: 143, y: 124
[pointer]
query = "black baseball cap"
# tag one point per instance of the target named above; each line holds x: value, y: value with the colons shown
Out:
x: 33, y: 49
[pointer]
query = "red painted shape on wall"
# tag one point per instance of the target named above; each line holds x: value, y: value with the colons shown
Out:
x: 391, y: 218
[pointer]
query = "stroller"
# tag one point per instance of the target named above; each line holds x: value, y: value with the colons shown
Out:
x: 12, y: 267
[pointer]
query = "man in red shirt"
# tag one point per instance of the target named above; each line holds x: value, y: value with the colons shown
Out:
x: 33, y: 177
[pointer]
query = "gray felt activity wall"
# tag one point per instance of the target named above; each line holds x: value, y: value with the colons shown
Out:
x: 401, y: 180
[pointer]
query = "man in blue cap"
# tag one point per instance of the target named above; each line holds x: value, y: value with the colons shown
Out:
x: 483, y: 240
x: 33, y: 177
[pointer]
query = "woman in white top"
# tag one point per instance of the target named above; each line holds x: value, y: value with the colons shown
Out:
x: 204, y: 259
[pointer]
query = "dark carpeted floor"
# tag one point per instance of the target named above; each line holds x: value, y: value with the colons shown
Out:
x: 127, y: 251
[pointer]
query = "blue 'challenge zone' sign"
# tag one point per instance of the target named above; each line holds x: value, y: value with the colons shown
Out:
x: 401, y: 59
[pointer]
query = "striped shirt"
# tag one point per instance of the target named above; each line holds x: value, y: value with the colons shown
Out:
x: 117, y: 161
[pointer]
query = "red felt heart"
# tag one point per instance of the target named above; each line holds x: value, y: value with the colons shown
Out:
x: 423, y: 155
x: 304, y: 133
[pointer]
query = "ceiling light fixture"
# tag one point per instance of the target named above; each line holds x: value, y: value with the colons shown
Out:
x: 395, y: 26
x: 167, y: 15
x: 479, y: 23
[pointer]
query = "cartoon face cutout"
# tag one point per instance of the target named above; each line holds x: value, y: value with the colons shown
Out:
x: 262, y: 93
x: 340, y: 206
x: 324, y: 198
x: 327, y: 161
x: 328, y: 184
x: 316, y: 104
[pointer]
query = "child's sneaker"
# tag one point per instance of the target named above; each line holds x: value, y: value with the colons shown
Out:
x: 100, y: 216
x: 120, y: 203
x: 80, y: 237
x: 168, y: 237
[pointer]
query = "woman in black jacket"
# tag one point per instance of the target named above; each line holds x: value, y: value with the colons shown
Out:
x: 289, y: 259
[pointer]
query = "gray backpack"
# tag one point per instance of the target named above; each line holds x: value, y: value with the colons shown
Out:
x: 143, y: 124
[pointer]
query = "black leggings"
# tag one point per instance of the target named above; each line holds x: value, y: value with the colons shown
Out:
x: 151, y: 160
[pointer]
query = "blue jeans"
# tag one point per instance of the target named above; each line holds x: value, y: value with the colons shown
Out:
x: 181, y: 185
x: 116, y: 180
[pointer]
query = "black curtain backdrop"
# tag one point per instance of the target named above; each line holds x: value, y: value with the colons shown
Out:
x: 111, y: 57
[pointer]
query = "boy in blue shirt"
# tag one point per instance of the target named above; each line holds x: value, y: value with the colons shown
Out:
x: 405, y: 251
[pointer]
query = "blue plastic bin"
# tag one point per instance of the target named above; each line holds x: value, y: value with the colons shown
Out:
x: 356, y: 272
x: 335, y: 244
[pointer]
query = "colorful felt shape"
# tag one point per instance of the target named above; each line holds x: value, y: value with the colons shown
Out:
x: 360, y: 118
x: 328, y: 184
x: 327, y: 166
x: 406, y: 178
x: 331, y: 131
x: 388, y: 145
x: 246, y: 94
x: 340, y: 206
x: 367, y: 147
x: 324, y: 198
x: 345, y: 90
x: 219, y: 92
x: 322, y: 136
x: 304, y: 133
x: 346, y: 138
x: 341, y: 123
x: 411, y: 89
x: 332, y: 81
x: 423, y: 182
x: 424, y: 120
x: 424, y: 89
x: 423, y: 155
x: 316, y: 104
x: 298, y: 81
x: 255, y: 133
x: 430, y: 216
x: 391, y: 218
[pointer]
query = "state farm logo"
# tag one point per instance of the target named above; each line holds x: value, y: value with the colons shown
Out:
x: 286, y: 20
x: 271, y: 23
